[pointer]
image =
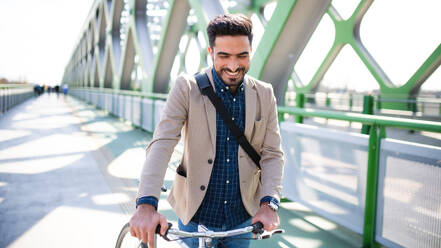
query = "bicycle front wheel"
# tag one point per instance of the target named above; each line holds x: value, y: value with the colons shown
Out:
x: 125, y: 239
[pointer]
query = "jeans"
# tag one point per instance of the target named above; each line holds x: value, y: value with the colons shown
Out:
x: 239, y: 241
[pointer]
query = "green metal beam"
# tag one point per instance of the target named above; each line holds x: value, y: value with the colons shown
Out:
x: 174, y: 26
x: 347, y: 33
x: 270, y: 37
x: 430, y: 126
x: 286, y: 35
x: 370, y: 208
x: 425, y: 70
x: 202, y: 17
x: 397, y: 97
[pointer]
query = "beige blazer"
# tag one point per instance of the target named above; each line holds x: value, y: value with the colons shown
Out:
x: 193, y: 116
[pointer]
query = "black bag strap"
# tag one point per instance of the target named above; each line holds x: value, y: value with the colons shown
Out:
x: 207, y: 90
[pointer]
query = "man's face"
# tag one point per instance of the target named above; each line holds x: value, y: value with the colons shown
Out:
x: 231, y: 57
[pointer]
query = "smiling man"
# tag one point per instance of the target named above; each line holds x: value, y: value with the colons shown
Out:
x: 217, y: 184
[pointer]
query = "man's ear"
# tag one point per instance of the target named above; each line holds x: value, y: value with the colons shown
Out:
x: 210, y: 51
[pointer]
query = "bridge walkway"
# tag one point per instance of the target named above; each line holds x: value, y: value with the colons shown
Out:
x: 68, y: 177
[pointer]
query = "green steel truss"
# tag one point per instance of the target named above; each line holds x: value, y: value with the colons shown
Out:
x: 142, y: 45
x: 139, y: 46
x: 347, y: 33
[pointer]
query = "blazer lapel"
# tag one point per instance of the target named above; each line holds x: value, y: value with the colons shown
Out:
x: 250, y: 107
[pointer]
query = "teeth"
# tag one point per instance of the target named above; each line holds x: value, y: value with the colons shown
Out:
x: 233, y: 74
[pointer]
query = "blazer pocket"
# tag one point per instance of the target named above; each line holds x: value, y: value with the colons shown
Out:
x: 181, y: 171
x: 258, y: 134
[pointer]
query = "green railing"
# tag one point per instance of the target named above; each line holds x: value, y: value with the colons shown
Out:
x: 141, y: 95
x: 153, y: 96
x: 417, y: 105
x: 12, y: 86
x: 377, y: 132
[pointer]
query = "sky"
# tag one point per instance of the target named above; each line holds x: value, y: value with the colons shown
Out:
x: 37, y: 37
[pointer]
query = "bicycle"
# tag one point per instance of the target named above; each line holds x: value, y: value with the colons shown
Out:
x: 205, y: 236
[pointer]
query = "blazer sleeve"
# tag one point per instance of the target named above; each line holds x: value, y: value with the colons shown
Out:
x: 272, y: 157
x: 167, y: 134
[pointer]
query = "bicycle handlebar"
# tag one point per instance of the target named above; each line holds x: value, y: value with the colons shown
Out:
x: 256, y: 228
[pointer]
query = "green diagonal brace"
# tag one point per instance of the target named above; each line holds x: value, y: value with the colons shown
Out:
x: 270, y: 37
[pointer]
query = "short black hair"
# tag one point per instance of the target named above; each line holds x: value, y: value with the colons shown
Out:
x: 229, y: 24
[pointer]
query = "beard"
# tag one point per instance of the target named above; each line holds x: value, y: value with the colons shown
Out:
x: 232, y: 80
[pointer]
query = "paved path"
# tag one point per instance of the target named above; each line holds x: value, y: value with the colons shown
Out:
x: 68, y: 178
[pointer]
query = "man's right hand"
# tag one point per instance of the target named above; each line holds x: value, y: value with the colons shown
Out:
x: 144, y: 222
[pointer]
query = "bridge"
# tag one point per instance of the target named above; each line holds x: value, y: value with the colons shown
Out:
x: 362, y: 167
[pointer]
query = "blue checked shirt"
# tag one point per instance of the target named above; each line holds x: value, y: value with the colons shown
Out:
x: 222, y: 205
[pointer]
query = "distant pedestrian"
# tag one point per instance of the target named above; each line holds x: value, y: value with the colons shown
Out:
x: 65, y: 88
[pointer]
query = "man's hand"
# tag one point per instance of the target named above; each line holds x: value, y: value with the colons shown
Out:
x: 267, y: 216
x: 144, y: 222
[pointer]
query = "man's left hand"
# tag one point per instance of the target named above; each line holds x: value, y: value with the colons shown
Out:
x: 268, y: 217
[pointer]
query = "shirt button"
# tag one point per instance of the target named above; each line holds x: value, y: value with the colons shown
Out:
x: 234, y: 99
x: 225, y: 202
x: 227, y: 87
x: 228, y: 181
x: 222, y: 90
x: 210, y: 161
x: 228, y: 138
x: 228, y: 160
x: 202, y: 187
x: 232, y: 118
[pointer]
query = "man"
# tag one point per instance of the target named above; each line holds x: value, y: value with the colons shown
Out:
x: 217, y: 183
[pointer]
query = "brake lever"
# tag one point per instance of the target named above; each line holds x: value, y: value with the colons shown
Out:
x: 269, y: 234
x: 158, y: 231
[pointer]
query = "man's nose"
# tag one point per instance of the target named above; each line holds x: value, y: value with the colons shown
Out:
x: 233, y: 65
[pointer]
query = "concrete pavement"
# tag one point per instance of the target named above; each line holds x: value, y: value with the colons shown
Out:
x: 68, y: 178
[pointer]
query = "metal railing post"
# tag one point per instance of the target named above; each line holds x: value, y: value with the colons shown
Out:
x: 351, y: 102
x: 153, y: 114
x: 368, y: 108
x: 439, y: 108
x: 413, y: 105
x: 370, y: 209
x: 378, y: 103
x: 141, y: 110
x: 300, y: 103
x: 1, y: 101
x: 328, y: 100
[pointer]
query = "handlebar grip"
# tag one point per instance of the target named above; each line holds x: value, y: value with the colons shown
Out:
x: 257, y: 227
x: 158, y: 230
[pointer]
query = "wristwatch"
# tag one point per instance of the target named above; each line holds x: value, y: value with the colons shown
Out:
x: 273, y: 205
